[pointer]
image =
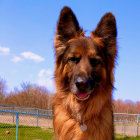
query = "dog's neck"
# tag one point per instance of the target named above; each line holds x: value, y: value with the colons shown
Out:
x: 89, y: 109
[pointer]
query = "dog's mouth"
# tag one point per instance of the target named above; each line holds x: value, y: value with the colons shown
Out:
x: 83, y: 88
x: 82, y: 96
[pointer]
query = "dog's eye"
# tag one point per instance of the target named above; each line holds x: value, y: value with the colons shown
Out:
x: 74, y: 59
x: 94, y: 62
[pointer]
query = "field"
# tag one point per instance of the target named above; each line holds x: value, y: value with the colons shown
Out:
x: 120, y: 137
x: 34, y: 133
x: 25, y: 133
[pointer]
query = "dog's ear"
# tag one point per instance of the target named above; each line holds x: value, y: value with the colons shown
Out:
x: 67, y: 28
x: 107, y: 32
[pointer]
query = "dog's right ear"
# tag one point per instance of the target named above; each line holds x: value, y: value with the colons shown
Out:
x: 106, y: 31
x: 67, y: 28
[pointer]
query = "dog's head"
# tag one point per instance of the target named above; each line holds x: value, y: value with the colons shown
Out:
x: 84, y: 64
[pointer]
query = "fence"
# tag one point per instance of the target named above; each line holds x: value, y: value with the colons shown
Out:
x: 28, y: 123
x: 24, y: 123
x: 127, y: 124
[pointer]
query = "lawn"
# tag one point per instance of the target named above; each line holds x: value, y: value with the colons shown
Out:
x: 120, y: 137
x: 128, y: 138
x: 34, y: 133
x: 25, y: 133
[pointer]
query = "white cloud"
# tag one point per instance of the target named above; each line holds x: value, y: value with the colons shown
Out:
x: 32, y: 56
x: 45, y: 78
x: 4, y: 51
x: 16, y: 59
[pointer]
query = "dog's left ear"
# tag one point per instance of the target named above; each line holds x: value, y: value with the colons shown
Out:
x: 107, y: 32
x: 67, y: 28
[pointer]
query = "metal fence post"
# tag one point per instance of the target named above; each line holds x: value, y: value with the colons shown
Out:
x: 137, y: 124
x: 124, y: 129
x: 13, y: 115
x: 37, y: 116
x: 17, y: 119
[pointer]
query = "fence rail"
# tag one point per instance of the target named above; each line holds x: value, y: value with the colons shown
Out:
x: 127, y: 124
x: 24, y: 109
x: 16, y: 118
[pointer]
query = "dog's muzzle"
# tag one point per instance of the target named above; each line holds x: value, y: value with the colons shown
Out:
x: 84, y: 86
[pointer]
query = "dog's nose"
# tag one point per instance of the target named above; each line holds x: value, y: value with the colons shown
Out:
x: 82, y: 83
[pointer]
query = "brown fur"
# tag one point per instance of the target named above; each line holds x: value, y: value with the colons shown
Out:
x: 77, y: 55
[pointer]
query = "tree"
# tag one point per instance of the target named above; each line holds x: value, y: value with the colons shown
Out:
x: 3, y: 88
x: 30, y: 95
x: 138, y: 107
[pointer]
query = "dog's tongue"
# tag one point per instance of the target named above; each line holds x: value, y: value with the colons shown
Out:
x: 81, y: 95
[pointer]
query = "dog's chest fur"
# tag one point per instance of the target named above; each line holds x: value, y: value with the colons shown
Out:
x: 99, y: 126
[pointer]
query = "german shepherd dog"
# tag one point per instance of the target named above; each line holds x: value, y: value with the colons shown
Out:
x: 84, y: 79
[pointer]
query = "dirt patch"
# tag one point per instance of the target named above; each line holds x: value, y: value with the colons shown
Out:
x: 28, y: 120
x: 127, y: 130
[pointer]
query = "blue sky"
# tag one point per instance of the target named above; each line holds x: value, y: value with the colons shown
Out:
x: 27, y: 30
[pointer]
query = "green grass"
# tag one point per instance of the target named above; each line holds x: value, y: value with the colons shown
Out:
x: 25, y: 133
x: 120, y: 137
x: 34, y: 133
x: 128, y: 138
